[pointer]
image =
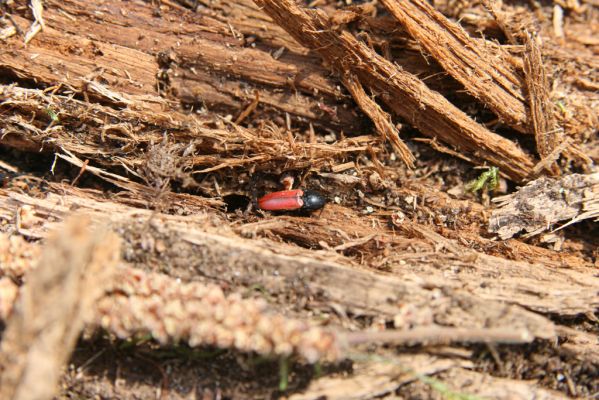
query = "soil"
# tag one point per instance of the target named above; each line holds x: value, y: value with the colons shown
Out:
x: 136, y: 137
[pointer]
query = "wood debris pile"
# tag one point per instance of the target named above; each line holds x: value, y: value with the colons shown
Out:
x: 160, y: 122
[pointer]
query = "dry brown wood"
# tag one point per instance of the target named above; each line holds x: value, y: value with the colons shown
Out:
x: 460, y: 380
x: 582, y: 345
x: 380, y: 376
x: 375, y: 378
x: 542, y: 122
x: 191, y: 148
x: 479, y: 65
x: 131, y: 51
x: 544, y: 202
x: 404, y: 93
x: 543, y: 287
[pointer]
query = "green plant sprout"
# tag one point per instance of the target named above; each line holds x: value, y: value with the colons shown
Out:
x: 52, y: 114
x: 561, y: 106
x: 489, y: 180
x: 283, y: 373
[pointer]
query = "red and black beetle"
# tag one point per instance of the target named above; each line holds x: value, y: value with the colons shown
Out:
x: 289, y: 200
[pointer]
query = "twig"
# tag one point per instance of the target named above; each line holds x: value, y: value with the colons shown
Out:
x: 441, y: 335
x: 354, y: 243
x: 244, y: 114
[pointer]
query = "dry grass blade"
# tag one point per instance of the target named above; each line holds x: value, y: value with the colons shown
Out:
x: 403, y: 92
x: 52, y: 308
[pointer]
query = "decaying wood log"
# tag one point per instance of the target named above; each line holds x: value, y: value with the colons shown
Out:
x: 140, y: 57
x: 354, y: 290
x: 404, y: 93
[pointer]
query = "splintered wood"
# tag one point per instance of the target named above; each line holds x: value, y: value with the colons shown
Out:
x: 403, y: 92
x: 480, y: 66
x: 381, y: 119
x: 542, y: 121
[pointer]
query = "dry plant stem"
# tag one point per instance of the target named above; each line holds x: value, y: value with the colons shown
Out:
x: 52, y: 308
x: 380, y: 118
x: 201, y: 315
x: 485, y: 75
x: 441, y: 335
x: 404, y: 93
x: 542, y: 122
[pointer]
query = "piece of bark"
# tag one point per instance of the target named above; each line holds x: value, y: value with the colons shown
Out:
x: 582, y: 345
x: 52, y: 308
x: 544, y: 202
x: 404, y: 93
x: 484, y: 74
x: 542, y: 122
